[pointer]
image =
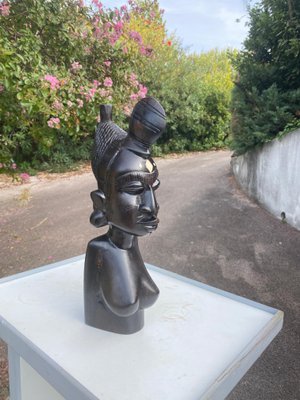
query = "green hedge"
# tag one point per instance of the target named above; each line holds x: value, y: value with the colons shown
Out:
x: 266, y: 96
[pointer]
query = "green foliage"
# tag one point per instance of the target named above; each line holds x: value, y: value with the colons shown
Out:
x: 195, y: 91
x: 60, y: 59
x: 266, y: 97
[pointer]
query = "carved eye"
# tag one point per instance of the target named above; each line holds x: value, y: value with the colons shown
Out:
x: 133, y: 188
x: 156, y: 184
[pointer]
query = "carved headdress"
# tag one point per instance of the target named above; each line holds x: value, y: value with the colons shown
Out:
x: 147, y: 123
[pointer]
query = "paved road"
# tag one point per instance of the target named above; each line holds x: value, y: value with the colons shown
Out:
x: 209, y: 231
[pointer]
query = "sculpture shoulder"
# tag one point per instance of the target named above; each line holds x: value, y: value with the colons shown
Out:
x: 99, y: 243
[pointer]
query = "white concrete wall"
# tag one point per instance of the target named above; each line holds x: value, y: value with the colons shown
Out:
x: 271, y: 175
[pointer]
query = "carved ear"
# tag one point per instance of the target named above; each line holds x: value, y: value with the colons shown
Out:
x: 98, y: 217
x: 98, y: 199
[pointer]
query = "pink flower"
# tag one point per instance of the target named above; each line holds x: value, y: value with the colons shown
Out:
x: 103, y: 92
x: 1, y: 88
x: 146, y: 51
x: 107, y: 26
x: 98, y: 4
x: 133, y: 96
x: 79, y: 103
x: 69, y: 103
x: 54, y: 82
x: 92, y: 92
x: 112, y: 40
x: 142, y: 92
x: 136, y: 37
x: 81, y: 3
x: 96, y: 83
x: 97, y: 33
x: 4, y: 9
x: 25, y: 177
x: 143, y: 50
x: 118, y: 26
x: 107, y: 63
x: 1, y: 165
x: 14, y: 166
x: 133, y: 79
x: 108, y: 82
x: 96, y: 20
x: 75, y: 66
x: 54, y: 123
x: 57, y: 105
x: 127, y: 110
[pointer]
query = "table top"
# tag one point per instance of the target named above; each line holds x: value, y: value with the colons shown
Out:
x: 197, y: 342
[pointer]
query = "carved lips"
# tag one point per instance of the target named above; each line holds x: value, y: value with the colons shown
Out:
x: 149, y: 224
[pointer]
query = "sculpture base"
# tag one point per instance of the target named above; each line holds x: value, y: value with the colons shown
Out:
x: 197, y: 343
x: 102, y: 319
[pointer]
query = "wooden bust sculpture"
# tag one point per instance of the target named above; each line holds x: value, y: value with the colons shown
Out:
x: 117, y: 286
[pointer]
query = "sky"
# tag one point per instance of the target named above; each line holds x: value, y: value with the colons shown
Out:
x: 203, y: 25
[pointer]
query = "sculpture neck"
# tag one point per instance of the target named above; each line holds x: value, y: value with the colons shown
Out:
x: 121, y: 239
x: 138, y: 147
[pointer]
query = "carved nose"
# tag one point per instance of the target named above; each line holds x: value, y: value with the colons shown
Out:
x: 149, y: 204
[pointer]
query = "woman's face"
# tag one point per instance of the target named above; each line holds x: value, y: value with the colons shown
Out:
x: 131, y: 204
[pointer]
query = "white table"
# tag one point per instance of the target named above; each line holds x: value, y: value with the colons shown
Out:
x: 197, y: 342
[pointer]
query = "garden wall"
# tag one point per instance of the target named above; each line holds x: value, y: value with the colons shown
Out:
x: 271, y: 175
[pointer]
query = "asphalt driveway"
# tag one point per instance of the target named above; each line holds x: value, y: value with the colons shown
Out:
x: 209, y: 231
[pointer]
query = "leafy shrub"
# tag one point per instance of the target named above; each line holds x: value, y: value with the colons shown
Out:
x: 196, y: 93
x: 60, y: 59
x: 266, y: 97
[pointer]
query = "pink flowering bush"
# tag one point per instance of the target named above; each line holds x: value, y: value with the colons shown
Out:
x: 63, y: 59
x: 136, y: 37
x: 54, y: 123
x: 57, y: 105
x: 60, y: 76
x: 54, y: 82
x: 75, y: 66
x: 4, y: 8
x: 108, y: 82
